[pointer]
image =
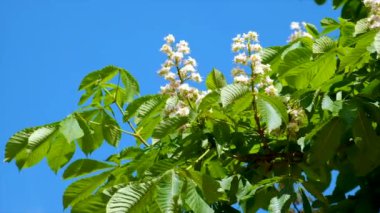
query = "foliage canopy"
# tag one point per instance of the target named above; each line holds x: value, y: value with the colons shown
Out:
x: 271, y: 148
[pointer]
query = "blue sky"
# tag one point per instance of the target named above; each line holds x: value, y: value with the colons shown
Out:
x: 48, y: 46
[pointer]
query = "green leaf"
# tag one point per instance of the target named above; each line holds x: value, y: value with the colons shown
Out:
x: 169, y: 126
x: 215, y: 80
x: 168, y: 192
x: 242, y: 103
x: 111, y: 130
x: 313, y: 73
x: 84, y: 166
x: 17, y: 143
x: 312, y: 30
x: 151, y: 108
x: 131, y: 85
x: 323, y: 45
x: 329, y: 25
x: 232, y: 92
x: 132, y: 198
x: 361, y: 26
x: 326, y: 142
x: 40, y: 136
x: 30, y: 146
x: 95, y: 203
x: 376, y: 42
x: 272, y: 111
x: 207, y: 184
x: 347, y: 30
x: 60, y: 152
x: 357, y: 57
x: 194, y: 200
x: 133, y: 107
x: 82, y: 189
x: 91, y: 123
x: 276, y: 203
x: 70, y: 128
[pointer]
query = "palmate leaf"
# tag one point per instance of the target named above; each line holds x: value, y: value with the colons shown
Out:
x: 215, y: 80
x: 84, y: 166
x: 82, y: 189
x: 168, y: 192
x: 232, y: 92
x: 272, y: 110
x: 132, y: 198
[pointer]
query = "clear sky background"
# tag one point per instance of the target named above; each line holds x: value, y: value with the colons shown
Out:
x: 48, y: 46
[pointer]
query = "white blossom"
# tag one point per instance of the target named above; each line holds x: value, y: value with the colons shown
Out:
x: 270, y: 90
x: 255, y: 48
x: 255, y: 58
x: 166, y: 49
x: 253, y: 36
x: 164, y: 71
x: 188, y: 68
x: 237, y: 46
x: 169, y: 39
x: 268, y: 80
x: 238, y: 39
x: 295, y: 25
x: 170, y: 76
x: 196, y: 77
x: 241, y: 58
x: 168, y: 63
x: 191, y: 61
x: 241, y: 79
x: 177, y: 56
x: 183, y: 110
x: 183, y: 47
x: 258, y: 69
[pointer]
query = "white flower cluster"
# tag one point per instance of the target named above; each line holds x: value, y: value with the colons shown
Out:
x: 248, y: 52
x: 374, y: 17
x: 298, y: 31
x: 184, y: 69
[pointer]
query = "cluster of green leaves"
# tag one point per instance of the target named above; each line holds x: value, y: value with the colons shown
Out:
x: 353, y: 10
x: 235, y: 146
